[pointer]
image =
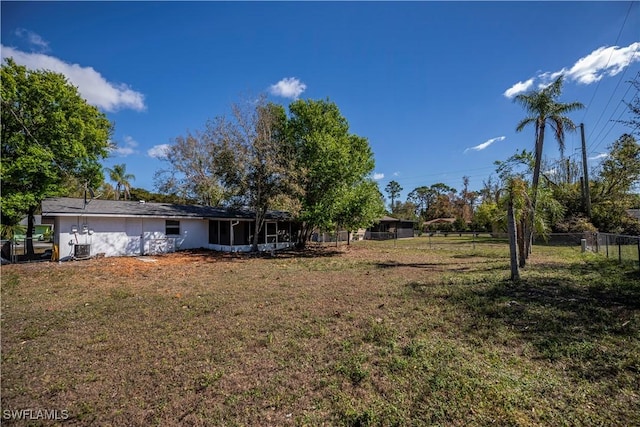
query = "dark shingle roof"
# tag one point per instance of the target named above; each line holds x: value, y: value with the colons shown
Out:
x: 62, y: 206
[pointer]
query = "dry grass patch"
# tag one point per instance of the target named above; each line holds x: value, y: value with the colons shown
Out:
x: 377, y: 333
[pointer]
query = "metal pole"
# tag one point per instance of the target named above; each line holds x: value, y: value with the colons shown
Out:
x: 585, y: 169
x: 619, y: 249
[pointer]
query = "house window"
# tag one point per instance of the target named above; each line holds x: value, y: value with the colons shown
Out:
x: 283, y: 232
x: 242, y: 233
x: 172, y: 227
x: 214, y: 234
x: 225, y: 233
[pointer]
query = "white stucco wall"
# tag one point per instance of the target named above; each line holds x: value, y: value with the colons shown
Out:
x: 123, y: 236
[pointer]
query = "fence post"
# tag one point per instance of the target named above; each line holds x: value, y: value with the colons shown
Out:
x: 619, y: 250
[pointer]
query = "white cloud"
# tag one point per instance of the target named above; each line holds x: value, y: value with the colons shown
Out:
x: 289, y: 87
x: 602, y: 62
x: 518, y: 88
x: 552, y: 172
x: 396, y: 174
x: 90, y: 83
x: 158, y: 151
x: 599, y: 156
x: 34, y: 39
x: 378, y: 176
x: 486, y: 144
x: 127, y: 148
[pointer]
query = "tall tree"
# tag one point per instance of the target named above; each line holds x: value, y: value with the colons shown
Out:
x: 191, y: 173
x: 393, y: 189
x: 406, y: 210
x: 255, y: 161
x: 330, y: 158
x: 467, y: 201
x: 240, y: 160
x: 442, y: 204
x: 422, y: 197
x: 118, y: 174
x: 543, y: 108
x: 49, y: 134
x: 434, y: 201
x: 615, y: 185
x: 359, y: 206
x: 513, y: 173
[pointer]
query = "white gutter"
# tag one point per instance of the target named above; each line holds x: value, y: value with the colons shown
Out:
x: 232, y: 234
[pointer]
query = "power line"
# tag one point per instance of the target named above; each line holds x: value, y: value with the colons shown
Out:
x: 613, y: 122
x: 608, y: 60
x: 607, y: 104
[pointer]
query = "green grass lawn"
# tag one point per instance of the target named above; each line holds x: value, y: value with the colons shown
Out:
x: 409, y: 333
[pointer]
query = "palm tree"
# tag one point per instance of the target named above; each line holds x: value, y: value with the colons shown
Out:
x: 121, y: 178
x: 543, y: 108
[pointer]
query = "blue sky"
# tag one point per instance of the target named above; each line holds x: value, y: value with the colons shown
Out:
x: 430, y: 84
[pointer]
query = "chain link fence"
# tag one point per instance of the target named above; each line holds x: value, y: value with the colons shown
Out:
x: 343, y: 236
x: 626, y: 249
x: 15, y: 250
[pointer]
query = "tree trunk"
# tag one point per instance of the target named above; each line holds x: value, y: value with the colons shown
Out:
x: 29, y: 234
x: 256, y: 235
x: 521, y: 235
x: 513, y: 247
x: 536, y: 179
x: 303, y: 236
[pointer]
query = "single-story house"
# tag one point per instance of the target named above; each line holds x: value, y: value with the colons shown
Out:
x: 634, y: 213
x: 389, y: 228
x: 129, y: 228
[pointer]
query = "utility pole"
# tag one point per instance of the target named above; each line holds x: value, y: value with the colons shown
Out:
x: 585, y: 169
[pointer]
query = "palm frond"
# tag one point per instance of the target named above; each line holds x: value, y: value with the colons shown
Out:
x: 554, y: 89
x: 557, y: 125
x: 524, y: 122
